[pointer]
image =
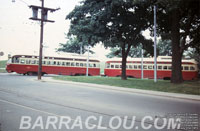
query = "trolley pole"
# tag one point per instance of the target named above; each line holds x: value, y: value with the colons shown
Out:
x: 41, y: 43
x: 155, y: 42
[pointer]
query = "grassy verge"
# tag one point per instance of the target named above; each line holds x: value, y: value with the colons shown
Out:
x: 188, y: 87
x: 3, y: 65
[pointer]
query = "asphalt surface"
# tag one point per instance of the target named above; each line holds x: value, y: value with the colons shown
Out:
x: 23, y: 96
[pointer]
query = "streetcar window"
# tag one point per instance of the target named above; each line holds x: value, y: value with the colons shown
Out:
x: 28, y: 61
x: 77, y: 64
x: 164, y: 67
x: 181, y: 67
x: 120, y: 66
x: 139, y: 66
x: 116, y: 66
x: 81, y: 64
x: 54, y: 63
x: 186, y: 68
x: 37, y: 62
x: 67, y: 63
x: 49, y: 63
x: 63, y: 63
x: 58, y: 63
x: 150, y: 67
x: 16, y: 60
x: 72, y: 64
x: 44, y: 62
x: 90, y: 65
x: 169, y: 67
x: 84, y: 65
x: 130, y: 67
x: 159, y: 67
x: 22, y: 61
x: 112, y: 66
x: 144, y: 67
x: 94, y: 65
x: 135, y: 66
x: 33, y: 61
x: 192, y: 68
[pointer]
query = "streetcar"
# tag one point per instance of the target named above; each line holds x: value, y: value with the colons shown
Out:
x: 164, y: 66
x: 71, y: 65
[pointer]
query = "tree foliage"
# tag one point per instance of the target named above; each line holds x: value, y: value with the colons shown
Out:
x: 73, y: 45
x: 112, y: 22
x: 178, y: 20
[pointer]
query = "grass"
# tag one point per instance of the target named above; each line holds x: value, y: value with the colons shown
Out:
x: 3, y: 65
x: 188, y: 87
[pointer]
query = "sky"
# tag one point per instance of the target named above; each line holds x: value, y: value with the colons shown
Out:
x: 20, y: 35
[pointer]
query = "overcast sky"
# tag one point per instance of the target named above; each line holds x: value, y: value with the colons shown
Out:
x: 20, y: 35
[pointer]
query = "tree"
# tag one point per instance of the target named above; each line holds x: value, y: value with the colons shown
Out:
x: 178, y: 20
x: 112, y: 22
x: 164, y: 47
x: 73, y: 45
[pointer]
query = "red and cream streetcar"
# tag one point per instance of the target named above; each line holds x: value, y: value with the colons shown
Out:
x: 73, y: 65
x: 133, y: 68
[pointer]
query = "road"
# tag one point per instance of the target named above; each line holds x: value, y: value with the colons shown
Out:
x: 24, y: 97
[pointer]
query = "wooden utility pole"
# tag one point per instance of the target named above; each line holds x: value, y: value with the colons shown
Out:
x: 41, y: 43
x: 44, y: 12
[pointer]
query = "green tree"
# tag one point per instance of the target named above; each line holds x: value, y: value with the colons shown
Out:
x: 73, y: 45
x: 164, y: 47
x: 179, y: 20
x: 112, y: 22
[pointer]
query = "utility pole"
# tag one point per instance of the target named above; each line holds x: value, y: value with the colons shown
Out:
x: 44, y: 12
x: 41, y: 43
x: 142, y: 71
x: 87, y: 70
x: 155, y: 42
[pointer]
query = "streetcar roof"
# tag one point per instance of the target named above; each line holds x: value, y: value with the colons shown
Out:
x: 151, y: 59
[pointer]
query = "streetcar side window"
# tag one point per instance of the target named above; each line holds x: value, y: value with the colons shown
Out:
x: 169, y: 67
x: 135, y: 66
x: 130, y: 67
x: 90, y: 65
x: 94, y: 65
x: 150, y: 67
x: 81, y: 64
x: 49, y: 63
x: 16, y: 60
x: 139, y: 66
x: 164, y: 67
x: 112, y: 66
x: 159, y: 67
x: 54, y: 63
x: 33, y: 61
x: 72, y: 64
x: 144, y: 67
x: 116, y: 66
x: 192, y: 68
x: 186, y: 68
x: 22, y: 61
x: 77, y: 64
x: 58, y: 63
x: 67, y: 63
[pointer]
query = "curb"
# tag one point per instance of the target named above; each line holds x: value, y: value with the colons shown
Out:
x: 128, y: 90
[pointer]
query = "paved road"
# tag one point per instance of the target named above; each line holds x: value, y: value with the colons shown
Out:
x: 22, y: 96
